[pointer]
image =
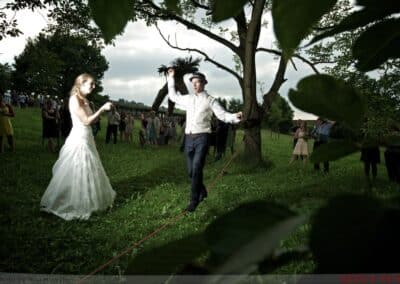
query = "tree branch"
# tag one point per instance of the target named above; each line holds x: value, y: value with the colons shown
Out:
x: 255, y: 24
x: 277, y: 52
x: 294, y: 65
x: 278, y: 81
x: 206, y: 57
x: 195, y: 27
x: 241, y: 25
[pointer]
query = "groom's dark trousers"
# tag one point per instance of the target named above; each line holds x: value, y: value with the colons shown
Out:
x: 196, y: 148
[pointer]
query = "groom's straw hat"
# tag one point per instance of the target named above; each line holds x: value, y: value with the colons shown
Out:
x: 200, y: 76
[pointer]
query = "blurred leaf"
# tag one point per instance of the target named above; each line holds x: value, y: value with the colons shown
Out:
x: 225, y: 9
x: 323, y: 95
x: 247, y: 234
x: 283, y: 257
x: 293, y: 20
x: 355, y: 234
x: 377, y: 44
x: 341, y: 231
x: 353, y: 21
x: 342, y: 131
x: 261, y: 246
x: 373, y: 12
x: 168, y: 258
x: 333, y: 150
x: 173, y: 5
x: 111, y: 16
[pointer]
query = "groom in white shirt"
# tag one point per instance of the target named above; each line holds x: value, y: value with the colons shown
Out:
x: 199, y: 109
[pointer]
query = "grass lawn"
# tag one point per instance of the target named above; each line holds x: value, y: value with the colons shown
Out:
x: 151, y: 186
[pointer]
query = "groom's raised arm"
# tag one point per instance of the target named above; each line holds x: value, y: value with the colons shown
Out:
x: 182, y: 101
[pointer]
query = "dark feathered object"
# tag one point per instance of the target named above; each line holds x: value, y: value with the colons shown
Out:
x: 182, y: 66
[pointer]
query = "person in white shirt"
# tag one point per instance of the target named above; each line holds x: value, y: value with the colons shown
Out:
x: 199, y: 109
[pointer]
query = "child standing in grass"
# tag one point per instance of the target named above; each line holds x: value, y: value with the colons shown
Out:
x: 79, y: 185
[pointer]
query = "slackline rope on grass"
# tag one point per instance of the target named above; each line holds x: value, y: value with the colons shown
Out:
x: 159, y: 229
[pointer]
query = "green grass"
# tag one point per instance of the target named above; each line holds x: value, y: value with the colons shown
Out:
x: 151, y: 186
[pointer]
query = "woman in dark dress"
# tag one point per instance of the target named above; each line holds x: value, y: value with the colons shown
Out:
x: 50, y: 129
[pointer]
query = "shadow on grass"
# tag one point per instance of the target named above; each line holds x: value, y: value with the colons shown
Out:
x: 163, y: 174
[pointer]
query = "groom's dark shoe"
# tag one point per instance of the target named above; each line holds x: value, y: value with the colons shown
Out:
x: 203, y: 195
x: 192, y: 206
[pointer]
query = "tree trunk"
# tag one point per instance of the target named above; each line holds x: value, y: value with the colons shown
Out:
x: 252, y: 144
x: 252, y: 112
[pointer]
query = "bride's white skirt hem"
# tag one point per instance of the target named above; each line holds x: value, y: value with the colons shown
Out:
x: 79, y: 185
x: 66, y: 216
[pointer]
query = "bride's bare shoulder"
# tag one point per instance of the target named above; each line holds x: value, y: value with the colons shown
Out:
x: 74, y: 102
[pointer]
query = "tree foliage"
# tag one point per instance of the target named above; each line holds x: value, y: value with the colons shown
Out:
x: 280, y: 116
x: 65, y: 16
x: 355, y: 30
x: 5, y: 77
x: 50, y: 64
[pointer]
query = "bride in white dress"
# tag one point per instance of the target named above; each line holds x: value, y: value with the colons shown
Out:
x: 79, y: 185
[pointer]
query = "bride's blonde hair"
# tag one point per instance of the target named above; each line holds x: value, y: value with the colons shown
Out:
x: 76, y: 88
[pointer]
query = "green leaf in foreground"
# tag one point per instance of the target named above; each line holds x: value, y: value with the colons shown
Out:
x: 377, y: 44
x: 262, y: 246
x: 248, y: 234
x: 111, y: 16
x: 225, y: 9
x: 293, y: 20
x: 355, y: 234
x: 373, y: 11
x: 167, y: 259
x: 333, y: 150
x: 325, y: 96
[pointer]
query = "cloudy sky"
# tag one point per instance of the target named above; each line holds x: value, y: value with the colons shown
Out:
x: 136, y: 55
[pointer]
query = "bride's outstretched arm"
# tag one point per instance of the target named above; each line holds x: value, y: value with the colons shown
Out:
x: 86, y: 119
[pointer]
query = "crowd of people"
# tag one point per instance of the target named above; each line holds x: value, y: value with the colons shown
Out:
x: 370, y: 154
x: 155, y: 129
x: 79, y: 175
x: 80, y: 186
x: 161, y: 130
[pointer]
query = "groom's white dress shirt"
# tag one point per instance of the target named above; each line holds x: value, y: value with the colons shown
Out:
x: 199, y: 109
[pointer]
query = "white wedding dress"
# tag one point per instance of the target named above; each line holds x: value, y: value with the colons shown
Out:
x: 79, y: 185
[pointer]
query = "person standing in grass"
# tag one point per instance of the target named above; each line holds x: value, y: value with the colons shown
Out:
x: 113, y: 118
x: 370, y: 156
x: 143, y: 130
x: 50, y: 130
x: 129, y: 121
x: 6, y: 129
x: 79, y: 185
x: 199, y: 109
x: 321, y: 133
x: 301, y: 147
x: 153, y: 128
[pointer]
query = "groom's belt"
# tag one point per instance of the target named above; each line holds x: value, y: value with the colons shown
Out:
x: 193, y: 135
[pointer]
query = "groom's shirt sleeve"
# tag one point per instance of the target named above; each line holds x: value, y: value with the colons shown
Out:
x: 221, y: 114
x: 182, y: 101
